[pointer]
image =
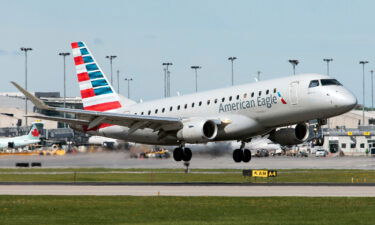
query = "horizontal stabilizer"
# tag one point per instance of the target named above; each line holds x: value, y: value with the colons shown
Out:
x: 36, y: 101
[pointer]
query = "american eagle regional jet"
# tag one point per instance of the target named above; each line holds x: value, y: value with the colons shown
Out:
x: 234, y: 113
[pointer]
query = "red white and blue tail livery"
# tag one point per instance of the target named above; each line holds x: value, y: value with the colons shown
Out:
x: 96, y: 92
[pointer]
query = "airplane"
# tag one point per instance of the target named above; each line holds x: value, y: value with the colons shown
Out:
x: 233, y: 113
x: 32, y: 137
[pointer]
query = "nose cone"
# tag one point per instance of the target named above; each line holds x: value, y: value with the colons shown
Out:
x: 344, y: 100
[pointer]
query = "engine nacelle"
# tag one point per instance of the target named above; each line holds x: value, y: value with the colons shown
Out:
x: 291, y: 136
x: 198, y: 131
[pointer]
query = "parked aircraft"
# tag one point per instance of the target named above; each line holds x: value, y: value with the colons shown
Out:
x: 233, y: 113
x: 32, y: 137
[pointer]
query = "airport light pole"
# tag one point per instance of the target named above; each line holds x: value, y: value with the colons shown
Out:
x: 118, y: 81
x: 328, y: 61
x: 372, y: 89
x: 111, y: 57
x: 196, y: 76
x: 363, y: 89
x: 128, y: 80
x: 294, y: 63
x: 26, y: 50
x: 167, y: 75
x: 64, y: 55
x: 232, y: 58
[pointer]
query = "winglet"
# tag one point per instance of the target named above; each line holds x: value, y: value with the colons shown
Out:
x: 36, y: 101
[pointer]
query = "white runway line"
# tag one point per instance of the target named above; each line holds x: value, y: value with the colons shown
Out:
x: 131, y: 190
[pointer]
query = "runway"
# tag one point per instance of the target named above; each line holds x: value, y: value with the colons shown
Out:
x: 191, y: 190
x: 122, y: 160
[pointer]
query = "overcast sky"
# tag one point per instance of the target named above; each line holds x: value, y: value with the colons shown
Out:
x: 262, y: 34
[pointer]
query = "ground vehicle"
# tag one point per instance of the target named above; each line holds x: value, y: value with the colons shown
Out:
x: 262, y: 153
x: 302, y: 154
x: 157, y: 153
x: 321, y: 153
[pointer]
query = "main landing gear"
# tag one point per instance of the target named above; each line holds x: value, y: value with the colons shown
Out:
x: 242, y: 154
x: 182, y: 153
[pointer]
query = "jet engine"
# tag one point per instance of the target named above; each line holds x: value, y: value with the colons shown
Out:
x: 198, y: 131
x: 290, y: 136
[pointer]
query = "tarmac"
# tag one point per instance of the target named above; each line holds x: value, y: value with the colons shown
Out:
x: 191, y: 190
x: 122, y: 160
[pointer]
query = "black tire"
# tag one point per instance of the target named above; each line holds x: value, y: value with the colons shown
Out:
x: 187, y: 154
x: 320, y: 141
x: 237, y: 155
x: 246, y: 155
x: 177, y: 154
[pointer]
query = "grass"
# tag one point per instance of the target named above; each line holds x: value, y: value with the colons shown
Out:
x: 43, y: 210
x: 177, y: 175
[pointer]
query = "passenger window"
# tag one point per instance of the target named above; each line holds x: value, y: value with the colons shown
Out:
x: 314, y: 83
x: 141, y: 113
x: 192, y: 105
x: 267, y: 92
x: 178, y: 107
x: 223, y: 99
x: 185, y: 106
x: 252, y: 94
x: 163, y: 110
x: 149, y: 112
x: 274, y: 90
x: 215, y: 100
x: 171, y: 108
x: 208, y: 102
x: 238, y: 97
x: 156, y: 111
x: 245, y: 95
x: 200, y: 103
x: 135, y: 113
x: 260, y: 93
x: 230, y: 98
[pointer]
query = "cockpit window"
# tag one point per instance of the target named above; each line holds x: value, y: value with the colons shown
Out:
x: 313, y: 83
x: 326, y: 82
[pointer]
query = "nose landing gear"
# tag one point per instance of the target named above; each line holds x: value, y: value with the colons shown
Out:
x: 182, y: 153
x: 319, y: 140
x: 242, y: 155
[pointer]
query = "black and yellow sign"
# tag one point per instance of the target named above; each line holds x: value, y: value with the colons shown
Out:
x: 260, y: 173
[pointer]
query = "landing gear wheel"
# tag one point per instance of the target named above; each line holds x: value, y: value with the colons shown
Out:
x: 237, y: 155
x: 320, y: 141
x: 178, y: 154
x: 187, y: 155
x: 246, y: 155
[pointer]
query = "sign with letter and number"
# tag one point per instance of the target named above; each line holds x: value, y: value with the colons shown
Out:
x: 260, y: 173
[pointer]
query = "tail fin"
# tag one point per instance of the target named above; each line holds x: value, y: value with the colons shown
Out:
x: 35, y: 130
x: 96, y: 92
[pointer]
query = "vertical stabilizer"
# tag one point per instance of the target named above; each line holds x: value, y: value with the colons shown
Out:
x: 96, y: 92
x: 35, y: 130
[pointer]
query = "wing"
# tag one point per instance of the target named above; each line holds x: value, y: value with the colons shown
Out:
x: 93, y: 119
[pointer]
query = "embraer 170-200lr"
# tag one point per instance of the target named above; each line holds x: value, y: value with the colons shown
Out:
x: 233, y: 113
